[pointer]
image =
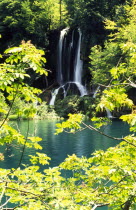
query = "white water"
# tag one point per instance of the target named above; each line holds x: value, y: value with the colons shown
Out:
x: 109, y: 115
x: 72, y: 42
x: 59, y: 64
x: 78, y: 66
x: 96, y: 91
x: 54, y: 94
x: 78, y: 62
x: 80, y: 87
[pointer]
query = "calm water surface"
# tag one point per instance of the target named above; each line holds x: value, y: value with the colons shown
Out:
x: 58, y: 147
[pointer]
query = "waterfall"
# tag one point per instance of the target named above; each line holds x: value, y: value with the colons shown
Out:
x: 69, y: 65
x: 78, y: 62
x: 54, y: 94
x: 109, y: 115
x: 60, y: 56
x: 78, y: 68
x: 96, y: 91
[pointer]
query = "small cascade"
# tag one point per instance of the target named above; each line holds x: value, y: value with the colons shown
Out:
x: 54, y: 94
x: 81, y: 89
x: 69, y: 65
x: 96, y: 91
x: 109, y: 115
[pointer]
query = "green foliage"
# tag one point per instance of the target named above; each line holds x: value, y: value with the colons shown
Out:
x: 3, y: 105
x: 101, y: 121
x: 29, y: 20
x: 27, y: 56
x: 54, y: 13
x: 114, y: 98
x: 13, y: 71
x: 40, y: 158
x: 87, y: 13
x: 70, y: 104
x: 21, y: 18
x: 75, y: 104
x: 117, y: 59
x: 21, y: 60
x: 9, y: 135
x: 105, y: 179
x: 131, y: 120
x: 113, y: 67
x: 102, y: 61
x: 45, y: 111
x: 108, y: 178
x: 71, y: 125
x: 101, y: 177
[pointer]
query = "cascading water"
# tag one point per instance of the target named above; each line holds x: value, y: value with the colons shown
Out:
x: 78, y: 68
x: 109, y: 115
x: 96, y: 91
x: 78, y: 62
x: 60, y: 51
x: 70, y: 65
x: 54, y: 94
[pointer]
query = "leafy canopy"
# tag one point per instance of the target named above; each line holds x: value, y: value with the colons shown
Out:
x: 105, y: 179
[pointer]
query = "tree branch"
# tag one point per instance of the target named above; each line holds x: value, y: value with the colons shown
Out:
x: 132, y: 84
x: 111, y: 137
x: 10, y: 107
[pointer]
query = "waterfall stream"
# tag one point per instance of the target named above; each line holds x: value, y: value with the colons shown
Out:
x: 109, y: 115
x: 78, y: 62
x: 60, y: 53
x: 54, y: 94
x: 69, y: 65
x: 96, y: 91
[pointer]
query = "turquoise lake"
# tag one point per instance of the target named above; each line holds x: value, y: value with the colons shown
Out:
x: 58, y: 147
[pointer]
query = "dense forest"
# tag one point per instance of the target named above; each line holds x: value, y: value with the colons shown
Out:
x: 74, y: 59
x: 42, y: 22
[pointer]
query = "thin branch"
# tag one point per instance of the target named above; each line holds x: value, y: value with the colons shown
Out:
x: 119, y: 84
x: 132, y: 84
x: 99, y: 205
x: 116, y: 185
x: 75, y: 131
x: 3, y: 191
x: 127, y: 204
x: 15, y: 95
x: 111, y: 137
x: 23, y: 191
x: 24, y: 146
x: 1, y: 207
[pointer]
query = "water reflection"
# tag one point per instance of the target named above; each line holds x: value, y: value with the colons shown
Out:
x: 58, y: 147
